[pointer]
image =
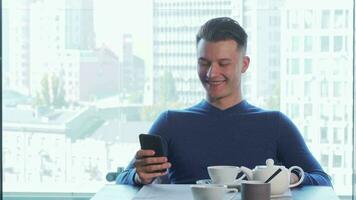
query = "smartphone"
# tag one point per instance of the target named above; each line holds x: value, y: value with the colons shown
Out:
x: 152, y: 142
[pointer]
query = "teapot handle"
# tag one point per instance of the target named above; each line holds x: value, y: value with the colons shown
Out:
x: 242, y: 177
x: 301, y: 173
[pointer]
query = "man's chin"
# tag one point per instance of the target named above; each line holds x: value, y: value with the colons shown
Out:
x: 215, y: 97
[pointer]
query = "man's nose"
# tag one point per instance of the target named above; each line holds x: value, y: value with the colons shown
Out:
x: 213, y: 70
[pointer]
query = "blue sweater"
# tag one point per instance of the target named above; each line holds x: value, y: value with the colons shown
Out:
x: 242, y: 135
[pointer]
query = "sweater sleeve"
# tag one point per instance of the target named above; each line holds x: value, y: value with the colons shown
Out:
x: 158, y: 127
x: 128, y: 175
x: 292, y: 150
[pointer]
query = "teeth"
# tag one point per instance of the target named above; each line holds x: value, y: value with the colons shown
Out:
x: 215, y: 82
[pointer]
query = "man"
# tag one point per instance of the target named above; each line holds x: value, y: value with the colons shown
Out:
x: 223, y: 129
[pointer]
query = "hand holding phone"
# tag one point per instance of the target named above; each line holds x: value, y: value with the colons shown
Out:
x: 148, y: 165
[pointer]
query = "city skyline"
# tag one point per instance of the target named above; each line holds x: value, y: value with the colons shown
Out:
x: 296, y: 54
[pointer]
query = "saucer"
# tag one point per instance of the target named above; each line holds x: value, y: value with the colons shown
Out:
x: 235, y: 184
x: 286, y: 194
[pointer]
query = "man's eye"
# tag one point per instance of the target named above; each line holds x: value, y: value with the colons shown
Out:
x: 224, y: 64
x: 203, y: 64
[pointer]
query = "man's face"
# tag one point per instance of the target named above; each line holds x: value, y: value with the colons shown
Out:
x: 220, y: 65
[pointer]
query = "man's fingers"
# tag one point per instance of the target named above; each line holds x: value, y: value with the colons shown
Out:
x: 150, y: 176
x: 154, y: 168
x: 144, y: 153
x: 148, y: 173
x: 150, y: 161
x: 154, y: 160
x: 149, y: 168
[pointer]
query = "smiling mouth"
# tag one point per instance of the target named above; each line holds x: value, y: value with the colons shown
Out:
x: 216, y: 82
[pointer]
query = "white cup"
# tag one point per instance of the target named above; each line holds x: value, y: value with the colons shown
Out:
x: 224, y: 174
x: 210, y: 192
x: 255, y: 190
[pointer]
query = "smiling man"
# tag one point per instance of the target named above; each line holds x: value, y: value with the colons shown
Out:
x: 223, y: 129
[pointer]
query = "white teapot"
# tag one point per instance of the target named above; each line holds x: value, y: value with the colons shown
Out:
x: 280, y: 183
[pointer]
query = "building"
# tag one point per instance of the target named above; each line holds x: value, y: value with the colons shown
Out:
x: 16, y: 49
x: 79, y: 25
x: 121, y: 140
x: 261, y: 82
x: 132, y: 73
x: 43, y: 39
x: 69, y: 30
x: 44, y: 150
x: 65, y: 150
x: 48, y: 53
x: 5, y: 46
x: 98, y: 74
x: 316, y: 82
x: 175, y: 24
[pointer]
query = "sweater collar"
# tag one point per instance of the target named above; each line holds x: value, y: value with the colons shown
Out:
x: 239, y: 107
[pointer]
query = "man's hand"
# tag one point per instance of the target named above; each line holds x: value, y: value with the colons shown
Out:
x: 149, y: 167
x: 293, y: 178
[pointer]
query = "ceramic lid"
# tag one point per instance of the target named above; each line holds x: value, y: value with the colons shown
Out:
x: 269, y: 165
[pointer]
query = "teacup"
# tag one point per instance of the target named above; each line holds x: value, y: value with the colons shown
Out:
x: 210, y: 192
x: 224, y: 174
x: 255, y: 190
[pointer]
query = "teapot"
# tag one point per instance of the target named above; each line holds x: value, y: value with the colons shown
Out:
x: 280, y: 183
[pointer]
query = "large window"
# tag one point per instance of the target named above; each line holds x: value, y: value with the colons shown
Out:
x: 83, y: 78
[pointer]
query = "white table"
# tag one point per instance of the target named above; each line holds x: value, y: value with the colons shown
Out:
x: 126, y: 192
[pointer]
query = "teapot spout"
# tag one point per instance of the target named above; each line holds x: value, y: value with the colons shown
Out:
x: 248, y: 172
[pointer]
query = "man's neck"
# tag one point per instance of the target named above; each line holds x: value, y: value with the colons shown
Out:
x: 225, y: 102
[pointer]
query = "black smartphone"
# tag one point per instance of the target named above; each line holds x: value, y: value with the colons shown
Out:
x: 152, y: 142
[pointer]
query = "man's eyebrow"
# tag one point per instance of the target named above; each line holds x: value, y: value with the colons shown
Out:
x: 225, y: 59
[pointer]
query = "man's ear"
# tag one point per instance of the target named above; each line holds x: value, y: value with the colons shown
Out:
x: 245, y: 63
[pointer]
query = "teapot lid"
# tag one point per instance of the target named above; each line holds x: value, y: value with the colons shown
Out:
x: 269, y: 164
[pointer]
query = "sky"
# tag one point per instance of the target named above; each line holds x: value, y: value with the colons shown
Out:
x: 113, y: 18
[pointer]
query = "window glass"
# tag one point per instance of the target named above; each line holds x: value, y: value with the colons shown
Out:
x: 81, y: 79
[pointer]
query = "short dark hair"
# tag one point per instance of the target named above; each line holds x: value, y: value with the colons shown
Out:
x: 223, y: 28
